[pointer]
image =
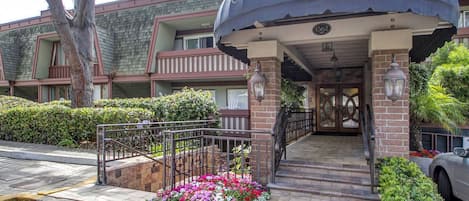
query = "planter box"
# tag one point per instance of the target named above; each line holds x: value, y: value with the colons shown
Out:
x: 423, y: 163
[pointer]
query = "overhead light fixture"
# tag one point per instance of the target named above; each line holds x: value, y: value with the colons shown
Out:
x: 334, y: 58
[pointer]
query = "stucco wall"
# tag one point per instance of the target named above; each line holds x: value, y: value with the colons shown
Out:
x: 131, y: 90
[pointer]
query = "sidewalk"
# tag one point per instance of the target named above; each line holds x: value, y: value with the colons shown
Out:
x: 28, y: 151
x: 51, y: 173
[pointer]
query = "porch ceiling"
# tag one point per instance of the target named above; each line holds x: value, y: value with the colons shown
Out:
x: 350, y: 53
x: 290, y: 22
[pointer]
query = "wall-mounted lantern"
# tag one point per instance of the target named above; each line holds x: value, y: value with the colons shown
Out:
x: 394, y: 81
x: 258, y: 83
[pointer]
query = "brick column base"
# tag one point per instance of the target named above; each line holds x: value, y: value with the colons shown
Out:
x: 391, y: 118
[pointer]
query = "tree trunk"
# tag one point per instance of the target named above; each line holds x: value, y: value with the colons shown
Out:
x: 415, y: 136
x: 76, y: 36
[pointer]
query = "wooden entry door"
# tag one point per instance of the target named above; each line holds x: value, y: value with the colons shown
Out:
x: 338, y: 108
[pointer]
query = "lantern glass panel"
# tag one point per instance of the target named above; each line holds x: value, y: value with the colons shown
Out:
x: 399, y: 87
x: 259, y: 89
x: 388, y: 87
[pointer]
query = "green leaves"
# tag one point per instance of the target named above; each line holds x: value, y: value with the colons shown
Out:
x: 291, y: 94
x: 188, y: 104
x: 402, y: 180
x: 60, y: 125
x: 56, y: 123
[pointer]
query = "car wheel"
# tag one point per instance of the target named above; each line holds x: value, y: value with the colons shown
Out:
x: 444, y: 186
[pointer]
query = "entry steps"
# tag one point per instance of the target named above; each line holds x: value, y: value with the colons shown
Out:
x: 300, y: 180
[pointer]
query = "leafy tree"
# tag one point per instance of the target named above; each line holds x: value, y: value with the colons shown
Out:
x: 76, y: 30
x: 431, y: 103
x: 441, y: 56
x: 291, y: 94
x: 452, y: 72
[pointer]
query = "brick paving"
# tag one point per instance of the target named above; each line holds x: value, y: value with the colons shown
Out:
x: 328, y: 149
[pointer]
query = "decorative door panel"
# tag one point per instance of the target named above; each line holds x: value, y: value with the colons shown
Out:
x: 327, y: 108
x: 350, y: 108
x: 338, y: 108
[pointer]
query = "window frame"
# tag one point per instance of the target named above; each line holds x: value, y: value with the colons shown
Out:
x: 52, y: 89
x: 198, y: 37
x: 462, y: 18
x: 228, y: 100
x: 55, y: 56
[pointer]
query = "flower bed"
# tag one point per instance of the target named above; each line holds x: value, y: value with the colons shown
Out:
x: 423, y: 159
x: 217, y: 187
x: 425, y: 153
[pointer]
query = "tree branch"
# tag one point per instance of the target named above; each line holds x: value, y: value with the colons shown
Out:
x: 58, y: 11
x: 83, y: 14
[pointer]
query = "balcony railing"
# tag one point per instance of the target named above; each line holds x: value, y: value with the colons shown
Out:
x: 64, y: 71
x: 197, y: 61
x: 235, y: 119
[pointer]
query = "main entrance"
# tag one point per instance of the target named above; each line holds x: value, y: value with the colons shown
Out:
x: 339, y: 108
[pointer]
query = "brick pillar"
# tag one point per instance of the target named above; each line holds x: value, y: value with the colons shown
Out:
x: 391, y: 118
x: 263, y: 117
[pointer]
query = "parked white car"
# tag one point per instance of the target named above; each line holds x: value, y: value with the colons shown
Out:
x: 451, y: 172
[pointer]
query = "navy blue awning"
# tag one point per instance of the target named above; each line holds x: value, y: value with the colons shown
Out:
x: 236, y: 15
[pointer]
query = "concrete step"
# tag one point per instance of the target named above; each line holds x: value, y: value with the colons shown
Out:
x: 325, y: 168
x: 329, y: 180
x: 288, y: 191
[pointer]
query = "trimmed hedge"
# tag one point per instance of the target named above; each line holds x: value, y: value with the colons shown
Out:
x: 56, y: 123
x: 59, y: 125
x: 66, y: 103
x: 188, y: 104
x: 7, y: 102
x: 402, y: 180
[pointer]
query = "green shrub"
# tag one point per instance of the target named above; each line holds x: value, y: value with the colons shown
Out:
x: 59, y: 125
x: 66, y: 103
x: 188, y: 104
x: 7, y: 102
x: 402, y: 180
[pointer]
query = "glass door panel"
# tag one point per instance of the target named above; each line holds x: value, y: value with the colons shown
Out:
x: 327, y: 108
x: 350, y: 108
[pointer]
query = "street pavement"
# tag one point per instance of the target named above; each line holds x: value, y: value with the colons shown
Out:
x: 31, y: 176
x: 51, y: 173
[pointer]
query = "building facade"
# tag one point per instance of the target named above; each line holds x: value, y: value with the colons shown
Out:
x: 463, y: 27
x: 141, y: 49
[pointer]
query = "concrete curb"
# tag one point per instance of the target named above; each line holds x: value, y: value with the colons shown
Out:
x: 41, y: 152
x: 27, y: 155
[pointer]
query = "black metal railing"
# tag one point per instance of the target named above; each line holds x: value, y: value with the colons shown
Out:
x: 290, y: 126
x: 280, y: 140
x: 122, y: 141
x: 186, y: 150
x: 190, y: 153
x: 368, y: 134
x: 300, y: 123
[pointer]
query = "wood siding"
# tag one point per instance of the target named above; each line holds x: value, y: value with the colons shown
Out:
x: 235, y: 119
x: 197, y: 61
x: 64, y: 71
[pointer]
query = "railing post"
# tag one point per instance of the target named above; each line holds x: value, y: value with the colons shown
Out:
x: 101, y: 156
x: 173, y: 160
x: 164, y: 160
x: 272, y: 142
